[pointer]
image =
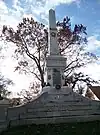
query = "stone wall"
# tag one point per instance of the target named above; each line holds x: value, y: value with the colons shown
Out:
x: 54, y: 106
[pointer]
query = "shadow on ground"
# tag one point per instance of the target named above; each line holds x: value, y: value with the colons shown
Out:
x: 87, y: 128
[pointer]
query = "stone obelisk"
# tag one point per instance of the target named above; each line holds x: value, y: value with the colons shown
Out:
x: 55, y: 63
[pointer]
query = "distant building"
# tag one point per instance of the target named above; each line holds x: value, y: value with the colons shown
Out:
x: 93, y: 92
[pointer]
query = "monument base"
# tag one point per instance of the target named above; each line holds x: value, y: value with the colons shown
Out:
x: 62, y: 90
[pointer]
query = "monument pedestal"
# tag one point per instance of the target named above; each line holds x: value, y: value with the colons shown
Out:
x: 55, y: 65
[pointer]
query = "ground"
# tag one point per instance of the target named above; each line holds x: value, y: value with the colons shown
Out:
x: 88, y: 128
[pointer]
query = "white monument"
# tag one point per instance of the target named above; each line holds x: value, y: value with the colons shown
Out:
x: 55, y: 63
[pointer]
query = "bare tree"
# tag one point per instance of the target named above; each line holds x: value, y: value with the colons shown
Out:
x: 4, y: 83
x: 31, y: 93
x: 79, y: 77
x: 31, y: 40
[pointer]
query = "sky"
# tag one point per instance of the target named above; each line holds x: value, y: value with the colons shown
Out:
x: 86, y: 12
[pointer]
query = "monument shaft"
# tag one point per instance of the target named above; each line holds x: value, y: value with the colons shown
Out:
x: 52, y: 37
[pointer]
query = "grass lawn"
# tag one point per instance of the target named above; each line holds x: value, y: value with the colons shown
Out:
x: 87, y: 128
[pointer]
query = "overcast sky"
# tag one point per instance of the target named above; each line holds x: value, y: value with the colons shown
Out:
x: 86, y: 12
